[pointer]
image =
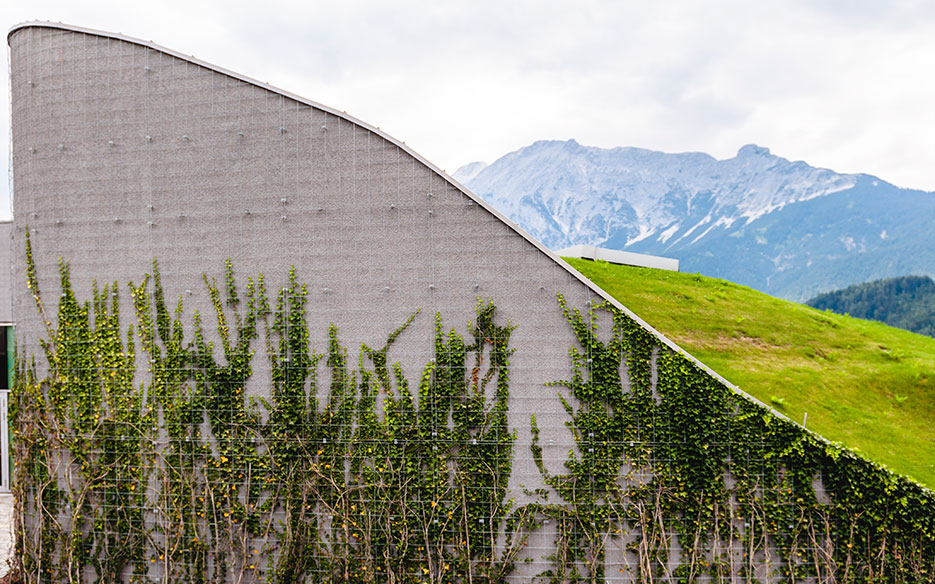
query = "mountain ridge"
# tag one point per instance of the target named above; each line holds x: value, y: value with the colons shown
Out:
x: 710, y: 214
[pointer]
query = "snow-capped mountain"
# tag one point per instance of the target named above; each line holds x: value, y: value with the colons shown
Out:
x: 783, y: 227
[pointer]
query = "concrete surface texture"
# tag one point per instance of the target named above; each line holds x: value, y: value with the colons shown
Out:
x: 125, y: 153
x: 6, y: 262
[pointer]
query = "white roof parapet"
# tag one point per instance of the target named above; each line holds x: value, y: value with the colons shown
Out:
x: 614, y: 256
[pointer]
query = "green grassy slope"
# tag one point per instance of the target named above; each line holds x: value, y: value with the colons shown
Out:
x: 862, y: 383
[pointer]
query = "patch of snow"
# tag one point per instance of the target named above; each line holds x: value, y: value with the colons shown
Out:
x: 694, y: 227
x: 645, y: 231
x: 665, y: 235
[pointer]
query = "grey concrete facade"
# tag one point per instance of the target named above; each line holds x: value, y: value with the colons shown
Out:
x: 125, y: 152
x: 6, y: 265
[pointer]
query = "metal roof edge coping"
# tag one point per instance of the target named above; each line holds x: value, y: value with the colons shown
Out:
x: 344, y: 115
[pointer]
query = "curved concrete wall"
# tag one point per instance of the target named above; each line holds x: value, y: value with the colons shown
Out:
x: 124, y: 152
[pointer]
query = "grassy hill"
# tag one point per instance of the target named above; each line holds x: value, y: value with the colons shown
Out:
x: 862, y: 383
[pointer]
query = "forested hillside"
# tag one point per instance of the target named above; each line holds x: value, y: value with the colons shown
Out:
x: 907, y: 302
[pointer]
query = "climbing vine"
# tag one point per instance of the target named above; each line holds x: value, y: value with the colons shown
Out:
x: 186, y: 477
x: 675, y: 477
x: 145, y: 452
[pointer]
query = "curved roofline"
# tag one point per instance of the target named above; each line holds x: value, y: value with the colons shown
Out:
x: 402, y: 145
x: 477, y: 200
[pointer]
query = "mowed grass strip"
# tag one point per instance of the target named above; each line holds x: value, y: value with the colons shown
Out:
x: 866, y: 385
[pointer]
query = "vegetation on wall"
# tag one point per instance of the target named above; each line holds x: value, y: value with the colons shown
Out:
x: 351, y: 472
x: 675, y: 477
x: 861, y: 383
x: 186, y: 478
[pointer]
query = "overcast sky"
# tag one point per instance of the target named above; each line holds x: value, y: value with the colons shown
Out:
x: 843, y: 84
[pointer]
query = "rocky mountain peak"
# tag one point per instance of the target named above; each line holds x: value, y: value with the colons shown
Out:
x: 691, y: 205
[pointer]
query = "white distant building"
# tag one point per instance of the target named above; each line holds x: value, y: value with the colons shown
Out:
x: 614, y: 256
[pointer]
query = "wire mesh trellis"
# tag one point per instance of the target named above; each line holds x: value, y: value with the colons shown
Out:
x: 186, y: 477
x: 245, y: 444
